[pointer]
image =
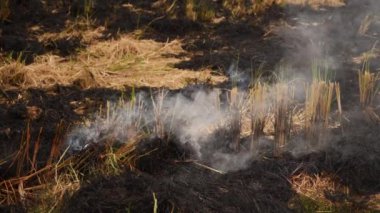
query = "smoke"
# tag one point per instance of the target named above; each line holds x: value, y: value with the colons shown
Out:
x: 198, y: 120
x: 119, y: 123
x: 340, y: 39
x: 335, y: 36
x: 210, y: 121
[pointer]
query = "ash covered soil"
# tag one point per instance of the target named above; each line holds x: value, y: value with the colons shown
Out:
x: 167, y: 175
x: 183, y: 185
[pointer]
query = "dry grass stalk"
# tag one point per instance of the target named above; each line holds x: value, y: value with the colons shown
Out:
x: 319, y: 97
x: 283, y: 115
x: 111, y: 64
x: 55, y: 148
x: 159, y: 117
x: 198, y: 10
x: 365, y: 24
x: 235, y: 119
x: 30, y: 182
x: 338, y: 99
x: 35, y: 150
x: 240, y: 8
x: 258, y: 111
x: 316, y: 186
x: 367, y: 87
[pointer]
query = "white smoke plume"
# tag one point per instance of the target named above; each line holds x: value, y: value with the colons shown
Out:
x: 204, y: 121
x: 199, y: 121
x: 338, y: 36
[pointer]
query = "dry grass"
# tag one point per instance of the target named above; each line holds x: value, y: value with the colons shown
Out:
x: 236, y: 117
x: 240, y: 8
x: 368, y: 85
x: 28, y: 178
x: 30, y: 181
x: 259, y: 110
x: 316, y: 3
x: 158, y: 104
x: 319, y: 97
x: 315, y: 186
x: 368, y: 89
x: 325, y: 193
x: 365, y: 24
x: 198, y: 10
x: 110, y: 64
x: 136, y: 63
x: 283, y: 115
x: 62, y: 175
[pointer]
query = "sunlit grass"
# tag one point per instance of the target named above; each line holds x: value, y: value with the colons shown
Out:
x: 198, y: 10
x: 368, y: 85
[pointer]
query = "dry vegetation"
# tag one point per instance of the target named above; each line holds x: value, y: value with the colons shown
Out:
x: 113, y: 64
x: 43, y: 178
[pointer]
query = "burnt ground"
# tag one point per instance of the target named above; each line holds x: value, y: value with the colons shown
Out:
x: 207, y: 45
x: 180, y: 185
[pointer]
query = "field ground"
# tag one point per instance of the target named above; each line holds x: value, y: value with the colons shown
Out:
x: 59, y: 69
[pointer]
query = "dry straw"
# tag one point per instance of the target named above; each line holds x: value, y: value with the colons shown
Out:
x: 368, y: 89
x: 235, y: 120
x: 258, y: 109
x: 283, y: 115
x: 368, y: 85
x: 320, y: 94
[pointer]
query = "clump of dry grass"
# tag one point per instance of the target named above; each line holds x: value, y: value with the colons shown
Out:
x: 240, y: 8
x: 326, y: 192
x: 16, y: 74
x: 27, y: 178
x: 368, y: 85
x: 314, y: 186
x: 320, y: 94
x: 315, y: 192
x: 198, y: 10
x: 236, y: 119
x: 283, y: 115
x: 315, y: 4
x: 110, y: 64
x: 319, y: 98
x: 158, y: 111
x: 62, y: 174
x: 368, y: 89
x: 259, y: 110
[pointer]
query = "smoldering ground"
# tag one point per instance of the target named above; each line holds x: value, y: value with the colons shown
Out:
x: 195, y: 119
x: 203, y: 120
x: 337, y: 39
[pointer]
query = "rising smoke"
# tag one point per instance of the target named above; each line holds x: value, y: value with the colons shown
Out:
x: 341, y: 38
x: 204, y: 119
x: 198, y: 120
x: 337, y: 36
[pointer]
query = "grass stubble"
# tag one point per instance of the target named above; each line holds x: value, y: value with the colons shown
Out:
x: 268, y: 106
